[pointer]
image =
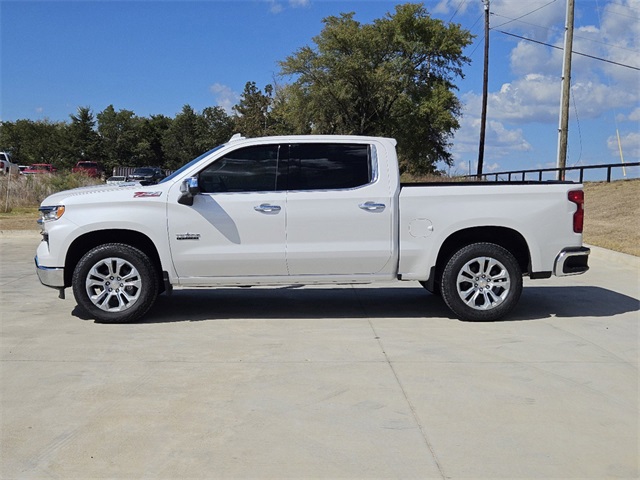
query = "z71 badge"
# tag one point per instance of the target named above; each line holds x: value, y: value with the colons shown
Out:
x: 146, y: 194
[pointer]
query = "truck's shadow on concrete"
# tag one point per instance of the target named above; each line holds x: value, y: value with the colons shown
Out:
x: 572, y: 302
x: 536, y: 303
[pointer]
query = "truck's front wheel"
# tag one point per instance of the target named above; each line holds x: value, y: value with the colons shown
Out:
x: 115, y: 283
x: 481, y: 282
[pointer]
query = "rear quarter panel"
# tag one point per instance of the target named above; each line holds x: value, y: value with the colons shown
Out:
x: 429, y: 215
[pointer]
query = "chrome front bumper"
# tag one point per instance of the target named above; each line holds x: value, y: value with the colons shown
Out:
x: 571, y: 261
x: 50, y: 277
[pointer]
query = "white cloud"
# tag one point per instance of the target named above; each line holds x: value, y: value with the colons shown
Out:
x: 441, y: 8
x: 597, y: 87
x: 535, y: 18
x: 533, y: 98
x: 634, y: 116
x: 536, y: 98
x: 500, y: 141
x: 225, y: 96
x: 528, y: 57
x: 526, y: 107
x: 277, y: 6
x: 445, y: 7
x: 630, y: 143
x: 500, y: 136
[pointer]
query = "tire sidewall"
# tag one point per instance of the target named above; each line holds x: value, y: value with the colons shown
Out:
x: 455, y: 264
x: 137, y: 258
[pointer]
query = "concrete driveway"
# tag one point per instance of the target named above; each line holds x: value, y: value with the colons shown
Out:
x: 343, y: 382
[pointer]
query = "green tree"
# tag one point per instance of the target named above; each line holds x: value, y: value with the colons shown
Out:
x: 150, y: 148
x: 84, y: 142
x: 182, y: 141
x: 123, y: 141
x: 218, y: 127
x: 35, y: 142
x: 393, y: 77
x: 253, y: 112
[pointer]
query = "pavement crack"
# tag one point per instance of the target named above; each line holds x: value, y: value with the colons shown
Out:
x: 414, y: 413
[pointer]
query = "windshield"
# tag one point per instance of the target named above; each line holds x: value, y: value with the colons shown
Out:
x: 143, y: 171
x: 190, y: 164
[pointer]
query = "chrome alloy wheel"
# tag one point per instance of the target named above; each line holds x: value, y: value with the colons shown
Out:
x: 113, y: 284
x: 483, y: 283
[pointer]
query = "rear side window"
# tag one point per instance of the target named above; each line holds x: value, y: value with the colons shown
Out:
x: 251, y: 169
x: 328, y: 167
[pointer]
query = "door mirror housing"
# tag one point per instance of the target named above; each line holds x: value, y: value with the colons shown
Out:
x: 188, y: 189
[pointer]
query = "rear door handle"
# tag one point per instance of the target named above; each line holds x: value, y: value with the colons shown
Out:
x: 267, y: 208
x: 372, y: 206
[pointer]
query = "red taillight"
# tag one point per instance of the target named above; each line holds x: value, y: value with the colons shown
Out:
x: 577, y: 197
x: 1, y: 165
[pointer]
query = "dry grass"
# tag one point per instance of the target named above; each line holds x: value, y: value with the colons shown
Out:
x: 20, y: 196
x: 612, y: 217
x: 20, y: 219
x: 20, y: 191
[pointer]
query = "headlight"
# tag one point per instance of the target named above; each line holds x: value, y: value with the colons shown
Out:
x: 50, y: 213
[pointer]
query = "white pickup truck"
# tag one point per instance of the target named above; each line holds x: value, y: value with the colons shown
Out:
x: 307, y: 210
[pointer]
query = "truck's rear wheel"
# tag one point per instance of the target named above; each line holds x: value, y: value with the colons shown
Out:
x: 481, y: 282
x: 115, y: 283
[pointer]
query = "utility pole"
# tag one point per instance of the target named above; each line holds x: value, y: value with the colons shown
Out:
x: 485, y: 82
x: 563, y: 128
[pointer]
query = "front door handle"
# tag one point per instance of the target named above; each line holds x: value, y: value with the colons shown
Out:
x: 267, y: 208
x: 372, y: 206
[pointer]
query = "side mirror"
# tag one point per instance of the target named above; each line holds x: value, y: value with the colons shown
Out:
x: 188, y: 189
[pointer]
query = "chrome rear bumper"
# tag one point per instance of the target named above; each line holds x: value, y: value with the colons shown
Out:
x: 571, y: 261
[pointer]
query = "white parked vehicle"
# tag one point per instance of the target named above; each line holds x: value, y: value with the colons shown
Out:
x: 6, y: 165
x: 307, y: 210
x: 116, y: 180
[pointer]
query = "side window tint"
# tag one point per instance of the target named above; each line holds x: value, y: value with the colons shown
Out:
x: 251, y: 169
x: 328, y: 167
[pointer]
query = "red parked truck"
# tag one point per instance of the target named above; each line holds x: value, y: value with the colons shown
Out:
x: 38, y: 168
x: 92, y: 169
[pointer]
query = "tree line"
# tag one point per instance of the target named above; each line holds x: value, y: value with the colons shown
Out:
x: 394, y: 77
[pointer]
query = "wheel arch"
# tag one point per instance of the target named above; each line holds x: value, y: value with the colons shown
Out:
x: 81, y: 245
x: 508, y: 238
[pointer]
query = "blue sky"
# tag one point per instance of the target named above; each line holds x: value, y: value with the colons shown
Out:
x: 153, y: 57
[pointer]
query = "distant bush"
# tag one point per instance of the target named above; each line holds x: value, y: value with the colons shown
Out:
x: 23, y: 191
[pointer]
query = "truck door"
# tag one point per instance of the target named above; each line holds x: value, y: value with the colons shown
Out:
x: 339, y: 212
x: 236, y: 225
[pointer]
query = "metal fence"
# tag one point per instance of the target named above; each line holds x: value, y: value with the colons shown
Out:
x: 521, y: 175
x: 126, y: 171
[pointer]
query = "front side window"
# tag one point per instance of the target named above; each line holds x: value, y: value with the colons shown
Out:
x: 251, y: 169
x: 329, y: 167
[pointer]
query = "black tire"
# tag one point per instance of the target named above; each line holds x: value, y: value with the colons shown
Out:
x: 481, y: 282
x: 115, y: 283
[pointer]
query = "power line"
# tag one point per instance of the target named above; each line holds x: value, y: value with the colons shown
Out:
x: 613, y: 12
x: 462, y: 2
x: 477, y: 43
x: 555, y: 30
x: 577, y: 53
x: 526, y: 14
x: 624, y: 6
